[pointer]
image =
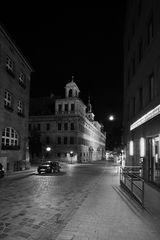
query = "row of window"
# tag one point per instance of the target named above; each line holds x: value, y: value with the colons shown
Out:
x: 8, y: 103
x: 65, y: 140
x: 144, y: 96
x: 38, y: 126
x: 60, y: 126
x: 66, y: 126
x: 10, y: 67
x: 71, y: 140
x: 66, y: 107
x: 80, y: 154
x: 138, y: 55
x: 134, y: 22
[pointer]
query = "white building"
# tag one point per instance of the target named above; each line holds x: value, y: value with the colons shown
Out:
x: 74, y: 135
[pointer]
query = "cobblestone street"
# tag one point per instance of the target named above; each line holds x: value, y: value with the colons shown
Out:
x: 82, y: 202
x: 38, y: 207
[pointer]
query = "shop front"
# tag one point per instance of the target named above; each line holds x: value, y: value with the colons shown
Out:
x: 153, y: 159
x: 144, y: 146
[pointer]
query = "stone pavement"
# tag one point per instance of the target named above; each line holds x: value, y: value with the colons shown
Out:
x: 32, y: 169
x: 152, y: 201
x: 109, y: 213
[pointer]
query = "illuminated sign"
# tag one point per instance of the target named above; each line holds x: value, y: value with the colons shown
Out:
x: 151, y: 114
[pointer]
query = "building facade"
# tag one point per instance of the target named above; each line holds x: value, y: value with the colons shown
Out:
x: 14, y: 105
x: 73, y: 135
x: 141, y: 121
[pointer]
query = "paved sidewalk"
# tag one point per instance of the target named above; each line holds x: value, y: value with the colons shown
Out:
x: 152, y: 201
x: 32, y: 169
x: 108, y: 213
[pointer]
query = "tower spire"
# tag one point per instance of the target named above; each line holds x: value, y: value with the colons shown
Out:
x: 89, y: 113
x: 89, y: 105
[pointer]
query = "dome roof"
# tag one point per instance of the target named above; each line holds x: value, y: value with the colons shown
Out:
x: 72, y: 85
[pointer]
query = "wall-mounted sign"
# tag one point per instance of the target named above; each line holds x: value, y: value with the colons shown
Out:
x: 151, y: 114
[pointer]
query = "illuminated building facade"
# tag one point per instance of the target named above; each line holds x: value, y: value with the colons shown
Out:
x: 74, y: 134
x: 14, y: 105
x: 141, y: 122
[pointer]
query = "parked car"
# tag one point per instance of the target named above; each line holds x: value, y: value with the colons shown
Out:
x: 49, y: 167
x: 1, y: 170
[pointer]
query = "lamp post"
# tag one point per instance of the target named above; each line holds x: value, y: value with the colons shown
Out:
x: 48, y: 149
x: 71, y: 155
x: 110, y: 124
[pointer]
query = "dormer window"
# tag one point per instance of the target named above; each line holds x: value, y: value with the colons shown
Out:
x: 70, y: 93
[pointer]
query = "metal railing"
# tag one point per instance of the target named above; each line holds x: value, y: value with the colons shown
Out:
x: 130, y: 178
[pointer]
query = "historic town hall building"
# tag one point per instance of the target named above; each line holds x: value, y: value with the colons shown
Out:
x: 71, y: 132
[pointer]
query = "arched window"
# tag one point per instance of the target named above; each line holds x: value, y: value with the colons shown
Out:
x: 10, y: 139
x: 70, y: 93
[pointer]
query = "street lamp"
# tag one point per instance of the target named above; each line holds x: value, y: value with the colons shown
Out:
x: 48, y: 149
x: 111, y: 124
x: 71, y: 155
x: 111, y: 117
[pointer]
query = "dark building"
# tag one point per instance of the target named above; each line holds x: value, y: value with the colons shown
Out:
x: 14, y: 105
x: 141, y: 121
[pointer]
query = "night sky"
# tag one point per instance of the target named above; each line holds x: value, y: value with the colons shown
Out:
x: 84, y: 42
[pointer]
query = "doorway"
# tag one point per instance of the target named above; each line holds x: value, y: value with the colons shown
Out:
x: 154, y: 160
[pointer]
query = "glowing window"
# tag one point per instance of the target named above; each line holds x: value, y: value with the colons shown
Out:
x: 131, y: 148
x: 142, y: 147
x: 9, y: 137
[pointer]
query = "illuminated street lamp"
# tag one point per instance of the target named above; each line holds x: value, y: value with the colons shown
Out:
x: 111, y: 130
x: 48, y: 149
x: 111, y: 117
x: 71, y: 155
